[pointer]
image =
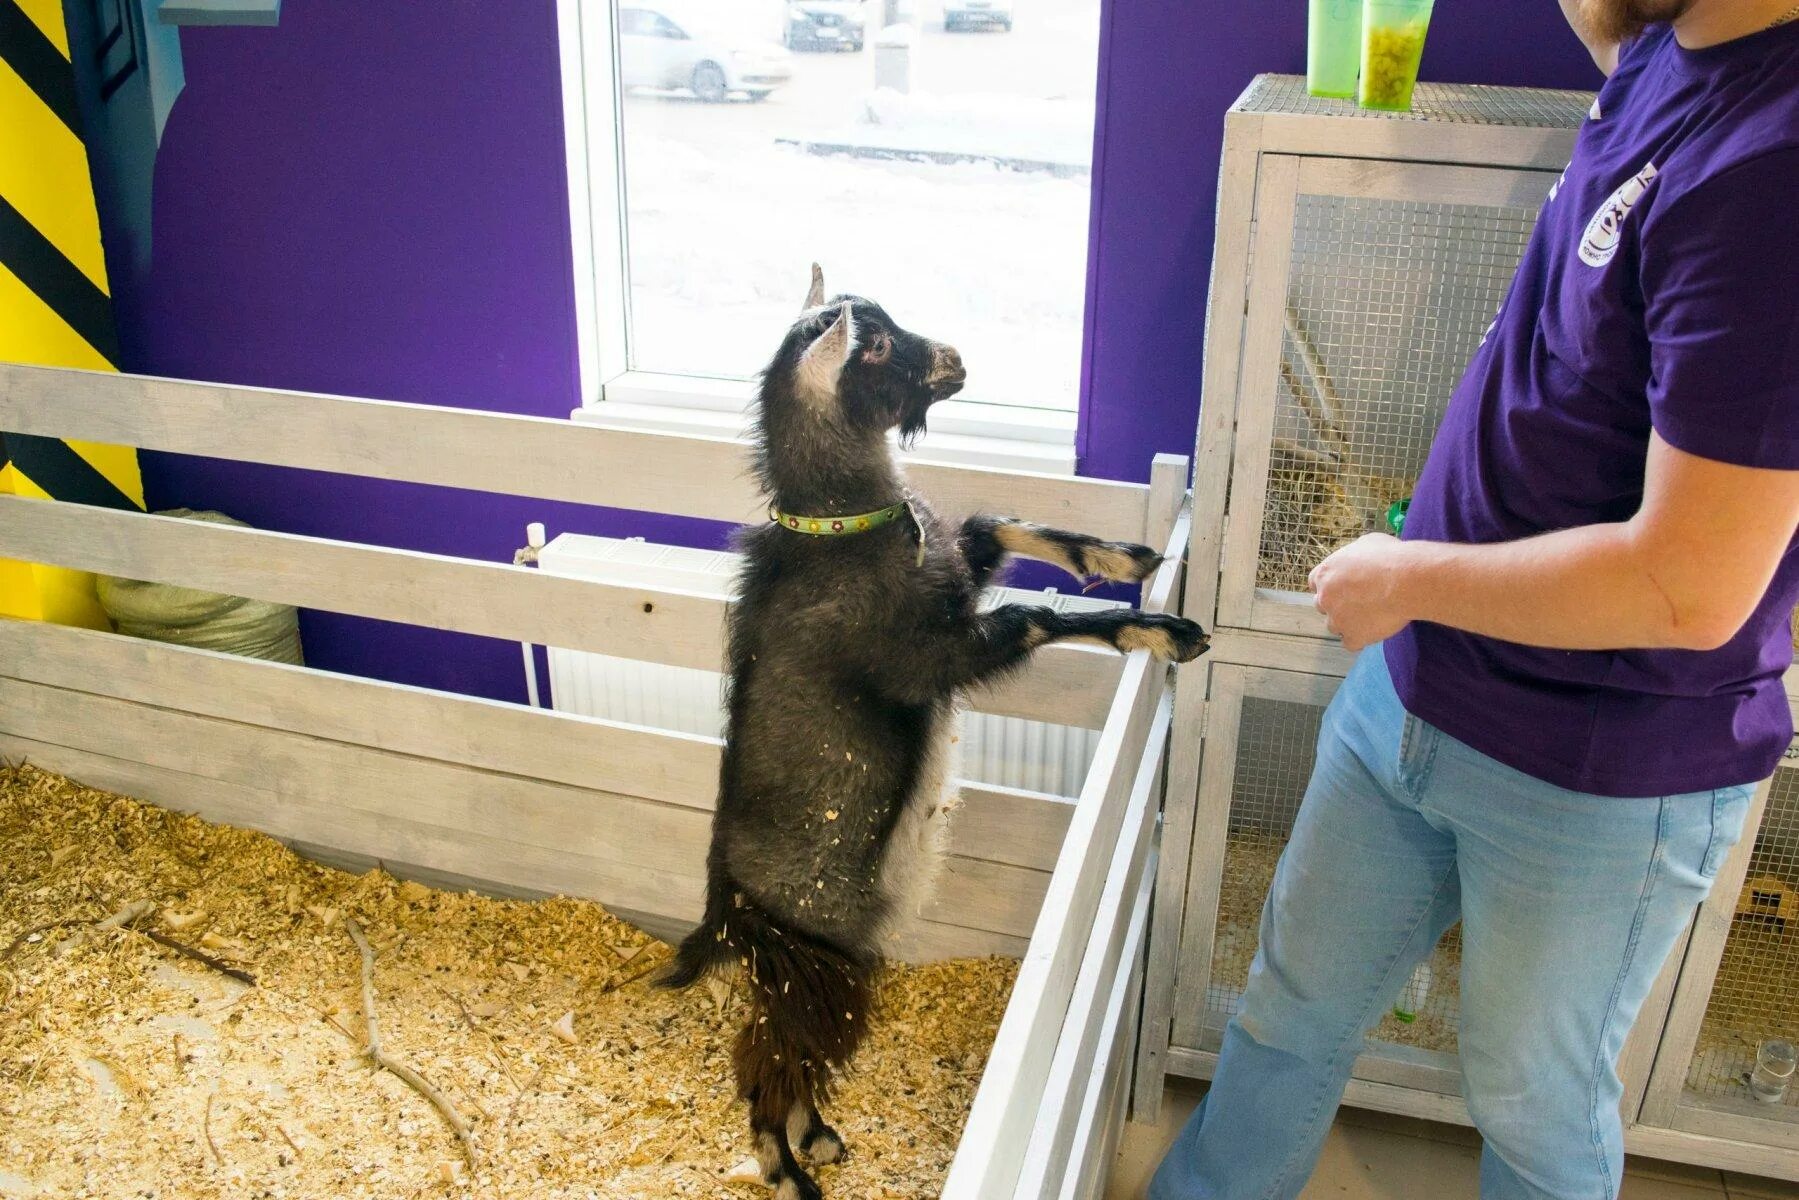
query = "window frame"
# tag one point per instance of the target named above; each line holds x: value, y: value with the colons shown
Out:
x: 990, y: 435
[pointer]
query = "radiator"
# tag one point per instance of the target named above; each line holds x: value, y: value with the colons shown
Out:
x: 999, y: 751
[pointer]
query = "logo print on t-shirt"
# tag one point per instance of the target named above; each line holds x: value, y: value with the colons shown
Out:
x: 1600, y: 240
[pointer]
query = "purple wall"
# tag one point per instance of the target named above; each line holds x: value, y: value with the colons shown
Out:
x: 369, y: 199
x: 1169, y: 71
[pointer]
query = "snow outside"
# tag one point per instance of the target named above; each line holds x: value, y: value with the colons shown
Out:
x: 975, y: 233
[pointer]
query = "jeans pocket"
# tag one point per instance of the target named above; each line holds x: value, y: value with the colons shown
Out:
x: 1730, y: 807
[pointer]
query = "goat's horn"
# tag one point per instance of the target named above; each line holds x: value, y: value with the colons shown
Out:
x: 816, y: 296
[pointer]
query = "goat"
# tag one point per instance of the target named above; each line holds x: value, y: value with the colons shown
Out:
x: 857, y: 624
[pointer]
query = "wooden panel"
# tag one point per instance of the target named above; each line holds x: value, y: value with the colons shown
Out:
x: 1225, y: 306
x: 1361, y: 1093
x: 1205, y: 871
x: 1004, y: 825
x: 1742, y: 1120
x: 1257, y: 378
x: 675, y: 768
x: 918, y: 941
x: 1007, y: 825
x: 426, y: 815
x: 1715, y: 1151
x: 987, y: 895
x: 1376, y: 179
x: 1253, y: 648
x: 1105, y: 970
x: 686, y: 475
x: 1065, y: 684
x: 1100, y: 1121
x: 1418, y: 141
x: 1004, y: 1108
x: 1186, y: 739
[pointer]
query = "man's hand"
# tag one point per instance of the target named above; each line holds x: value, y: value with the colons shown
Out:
x: 1684, y: 573
x: 1358, y: 590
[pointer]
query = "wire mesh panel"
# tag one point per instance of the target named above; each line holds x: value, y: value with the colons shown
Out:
x: 1755, y: 997
x: 1438, y: 103
x: 1386, y: 302
x: 1277, y: 742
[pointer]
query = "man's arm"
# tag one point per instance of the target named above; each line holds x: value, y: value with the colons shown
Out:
x: 1684, y: 573
x: 1604, y: 53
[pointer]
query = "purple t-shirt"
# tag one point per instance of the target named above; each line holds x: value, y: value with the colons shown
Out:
x: 1660, y: 290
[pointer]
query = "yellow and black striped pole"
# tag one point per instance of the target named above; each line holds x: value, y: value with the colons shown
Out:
x: 55, y: 309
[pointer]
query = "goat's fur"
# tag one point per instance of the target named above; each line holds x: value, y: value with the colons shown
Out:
x: 847, y: 656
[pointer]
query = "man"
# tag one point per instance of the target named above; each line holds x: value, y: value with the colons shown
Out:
x: 1585, y: 629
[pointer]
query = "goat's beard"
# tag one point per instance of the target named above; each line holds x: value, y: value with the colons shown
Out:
x: 912, y: 420
x: 1617, y: 21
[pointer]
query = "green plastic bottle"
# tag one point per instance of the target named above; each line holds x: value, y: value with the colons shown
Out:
x: 1333, y: 47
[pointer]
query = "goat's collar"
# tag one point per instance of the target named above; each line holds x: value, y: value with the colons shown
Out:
x: 837, y: 526
x: 857, y: 523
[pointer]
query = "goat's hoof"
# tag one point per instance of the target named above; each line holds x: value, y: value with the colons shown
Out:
x: 822, y: 1145
x: 1120, y: 562
x: 1165, y: 636
x: 796, y: 1185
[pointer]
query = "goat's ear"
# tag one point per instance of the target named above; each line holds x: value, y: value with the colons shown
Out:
x: 822, y: 362
x: 816, y: 296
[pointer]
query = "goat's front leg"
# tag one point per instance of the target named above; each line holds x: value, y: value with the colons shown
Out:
x: 1000, y: 639
x: 987, y: 540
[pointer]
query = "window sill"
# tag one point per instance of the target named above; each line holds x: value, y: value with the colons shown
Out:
x: 1011, y: 439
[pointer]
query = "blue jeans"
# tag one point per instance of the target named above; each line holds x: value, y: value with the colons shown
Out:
x: 1569, y: 905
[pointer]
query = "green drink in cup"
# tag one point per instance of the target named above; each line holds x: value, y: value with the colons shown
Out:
x: 1333, y: 47
x: 1392, y: 44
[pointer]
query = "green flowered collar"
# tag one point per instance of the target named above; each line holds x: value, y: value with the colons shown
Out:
x: 833, y: 526
x: 855, y: 523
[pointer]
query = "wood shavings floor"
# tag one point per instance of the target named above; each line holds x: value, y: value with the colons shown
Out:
x: 127, y: 1070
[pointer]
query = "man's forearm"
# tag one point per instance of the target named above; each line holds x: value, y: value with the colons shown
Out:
x: 1589, y: 588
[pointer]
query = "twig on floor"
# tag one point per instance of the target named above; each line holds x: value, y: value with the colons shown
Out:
x: 206, y: 1128
x: 406, y: 1074
x: 46, y: 927
x: 120, y: 919
x: 199, y: 956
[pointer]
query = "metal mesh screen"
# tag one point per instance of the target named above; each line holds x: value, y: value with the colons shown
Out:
x: 1756, y: 995
x: 1456, y: 103
x: 1277, y: 741
x: 1386, y: 302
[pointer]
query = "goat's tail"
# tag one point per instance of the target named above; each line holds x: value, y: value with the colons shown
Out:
x: 809, y: 1008
x: 704, y: 949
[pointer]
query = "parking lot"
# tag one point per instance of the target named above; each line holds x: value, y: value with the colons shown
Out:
x: 988, y: 257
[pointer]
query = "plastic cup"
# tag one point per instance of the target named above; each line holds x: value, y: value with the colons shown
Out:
x: 1333, y: 47
x: 1774, y: 1063
x: 1392, y: 44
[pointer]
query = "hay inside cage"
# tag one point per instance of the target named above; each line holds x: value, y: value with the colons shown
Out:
x: 127, y: 1069
x: 1310, y: 515
x: 1249, y: 863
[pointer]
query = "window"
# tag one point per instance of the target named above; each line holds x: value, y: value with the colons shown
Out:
x: 934, y: 155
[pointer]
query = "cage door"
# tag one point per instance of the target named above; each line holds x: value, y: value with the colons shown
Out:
x: 1372, y: 283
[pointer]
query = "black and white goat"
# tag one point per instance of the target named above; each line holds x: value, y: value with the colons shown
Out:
x: 857, y: 624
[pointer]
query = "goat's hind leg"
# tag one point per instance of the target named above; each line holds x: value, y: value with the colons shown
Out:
x: 774, y: 1154
x: 808, y: 1133
x: 988, y: 539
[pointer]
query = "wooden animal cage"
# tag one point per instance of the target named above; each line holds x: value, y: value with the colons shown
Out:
x: 1360, y: 258
x: 508, y: 798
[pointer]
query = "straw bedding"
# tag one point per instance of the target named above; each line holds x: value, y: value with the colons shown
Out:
x: 129, y: 1069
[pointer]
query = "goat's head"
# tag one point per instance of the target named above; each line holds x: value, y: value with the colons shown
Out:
x: 846, y: 365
